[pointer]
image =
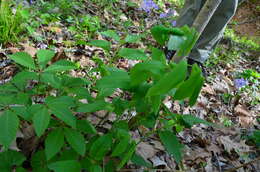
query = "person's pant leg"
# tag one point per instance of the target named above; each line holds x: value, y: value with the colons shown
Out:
x: 189, y: 12
x: 214, y: 30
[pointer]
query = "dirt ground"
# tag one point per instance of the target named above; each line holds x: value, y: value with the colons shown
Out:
x: 247, y: 20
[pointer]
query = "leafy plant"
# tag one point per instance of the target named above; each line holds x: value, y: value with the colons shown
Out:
x: 58, y: 105
x: 11, y: 23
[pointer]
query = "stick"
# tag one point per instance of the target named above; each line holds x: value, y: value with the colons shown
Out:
x: 202, y: 20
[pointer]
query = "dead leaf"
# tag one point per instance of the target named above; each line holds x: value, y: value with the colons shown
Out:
x: 208, y: 89
x: 29, y: 49
x: 230, y: 145
x: 145, y: 150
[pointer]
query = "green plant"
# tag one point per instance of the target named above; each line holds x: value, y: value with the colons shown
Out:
x: 11, y: 22
x: 58, y: 106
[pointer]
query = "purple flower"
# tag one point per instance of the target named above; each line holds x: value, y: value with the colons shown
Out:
x: 148, y: 5
x: 169, y: 13
x: 239, y: 83
x: 174, y: 23
x: 163, y: 15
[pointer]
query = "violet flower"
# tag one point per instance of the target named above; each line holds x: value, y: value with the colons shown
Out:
x: 148, y: 5
x: 174, y: 23
x: 239, y: 83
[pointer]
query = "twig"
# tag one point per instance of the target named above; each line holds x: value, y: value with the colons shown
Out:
x: 243, y: 165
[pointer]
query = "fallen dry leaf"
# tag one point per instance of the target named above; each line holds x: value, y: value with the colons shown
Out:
x: 230, y: 145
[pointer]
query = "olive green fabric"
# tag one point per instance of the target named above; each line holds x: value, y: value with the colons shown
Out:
x: 213, y: 31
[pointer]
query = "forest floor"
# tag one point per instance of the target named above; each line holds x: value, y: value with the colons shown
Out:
x: 236, y: 110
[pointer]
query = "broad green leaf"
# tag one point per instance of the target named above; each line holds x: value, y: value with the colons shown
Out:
x: 121, y: 147
x: 86, y: 127
x: 193, y: 120
x: 39, y: 162
x: 161, y: 34
x: 142, y: 71
x: 169, y: 80
x: 132, y: 54
x: 127, y: 156
x: 172, y: 145
x: 101, y: 43
x: 21, y: 79
x: 65, y: 166
x: 61, y: 109
x: 111, y: 34
x: 101, y: 147
x: 175, y: 42
x: 54, y: 143
x: 191, y: 37
x: 76, y: 140
x: 23, y: 59
x: 9, y: 123
x: 20, y: 169
x: 41, y: 120
x: 22, y: 111
x: 11, y: 158
x: 196, y: 91
x: 61, y: 65
x: 68, y: 154
x: 138, y: 160
x: 132, y: 38
x: 44, y: 56
x: 95, y: 168
x: 118, y: 79
x: 95, y: 106
x: 51, y: 79
x: 69, y: 81
x: 186, y: 89
x: 158, y: 55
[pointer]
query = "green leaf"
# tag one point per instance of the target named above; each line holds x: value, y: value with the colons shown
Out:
x: 23, y: 59
x: 111, y: 34
x: 142, y: 71
x: 95, y: 168
x: 138, y: 160
x: 186, y: 89
x: 44, y: 56
x: 86, y: 127
x: 9, y: 123
x: 65, y: 166
x: 121, y: 147
x: 193, y: 120
x: 61, y: 109
x: 101, y: 147
x: 21, y: 79
x: 158, y: 55
x: 132, y: 38
x: 101, y: 43
x: 22, y: 111
x: 61, y: 65
x: 117, y: 79
x: 76, y: 140
x: 39, y: 162
x: 41, y: 120
x: 161, y: 34
x: 95, y: 106
x: 11, y: 158
x: 54, y: 143
x: 169, y: 80
x: 132, y: 54
x: 127, y: 156
x: 175, y: 42
x: 51, y: 79
x: 196, y: 92
x: 171, y: 144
